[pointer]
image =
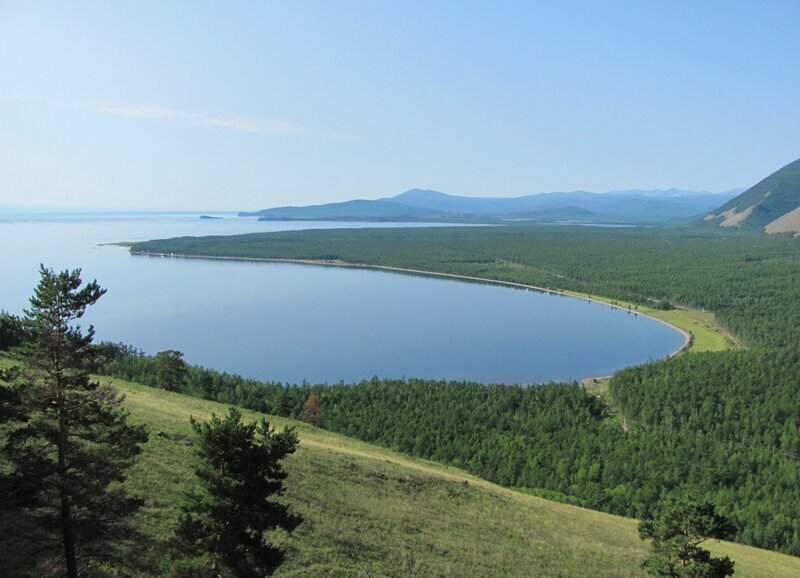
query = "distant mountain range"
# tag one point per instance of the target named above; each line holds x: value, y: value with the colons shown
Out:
x: 616, y: 207
x: 772, y: 204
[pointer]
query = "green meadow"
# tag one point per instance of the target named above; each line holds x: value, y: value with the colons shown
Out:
x: 369, y: 511
x: 372, y: 512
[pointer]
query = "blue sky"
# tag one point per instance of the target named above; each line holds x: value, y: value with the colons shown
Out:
x: 245, y: 105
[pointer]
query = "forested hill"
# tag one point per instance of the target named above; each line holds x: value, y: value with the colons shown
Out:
x: 368, y: 511
x: 625, y: 207
x: 363, y: 210
x: 772, y: 204
x: 749, y: 280
x: 725, y: 423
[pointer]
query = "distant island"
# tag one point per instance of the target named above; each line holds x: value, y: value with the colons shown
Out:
x: 209, y: 217
x: 631, y: 207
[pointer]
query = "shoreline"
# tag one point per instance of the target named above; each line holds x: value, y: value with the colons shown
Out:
x: 688, y: 338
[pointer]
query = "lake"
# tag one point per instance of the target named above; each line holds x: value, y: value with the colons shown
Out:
x: 289, y: 322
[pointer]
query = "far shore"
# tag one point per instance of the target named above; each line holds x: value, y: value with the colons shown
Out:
x: 688, y: 338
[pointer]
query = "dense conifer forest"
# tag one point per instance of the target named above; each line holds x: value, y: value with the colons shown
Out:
x: 750, y: 280
x: 725, y: 424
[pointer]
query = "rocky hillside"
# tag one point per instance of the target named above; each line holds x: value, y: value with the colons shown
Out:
x: 772, y: 205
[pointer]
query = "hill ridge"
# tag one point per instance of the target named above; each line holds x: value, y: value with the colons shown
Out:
x: 427, y: 205
x: 772, y: 204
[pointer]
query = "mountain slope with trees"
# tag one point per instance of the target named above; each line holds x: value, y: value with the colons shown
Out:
x: 369, y: 510
x: 685, y: 418
x: 632, y: 207
x: 350, y: 211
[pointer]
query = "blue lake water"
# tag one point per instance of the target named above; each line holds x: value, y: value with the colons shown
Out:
x: 288, y: 322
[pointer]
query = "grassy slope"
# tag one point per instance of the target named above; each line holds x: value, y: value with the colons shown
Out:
x: 371, y: 512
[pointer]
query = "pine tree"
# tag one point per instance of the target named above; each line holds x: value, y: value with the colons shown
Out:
x: 171, y: 370
x: 72, y: 444
x: 682, y: 522
x: 10, y: 331
x: 241, y: 473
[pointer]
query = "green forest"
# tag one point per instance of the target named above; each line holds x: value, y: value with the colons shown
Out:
x: 748, y: 279
x: 724, y: 424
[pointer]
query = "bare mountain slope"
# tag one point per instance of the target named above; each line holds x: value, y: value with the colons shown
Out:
x: 773, y: 204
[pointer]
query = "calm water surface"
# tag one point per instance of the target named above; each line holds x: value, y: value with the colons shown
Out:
x: 290, y: 323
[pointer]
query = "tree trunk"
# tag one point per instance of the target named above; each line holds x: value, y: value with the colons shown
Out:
x: 69, y: 541
x: 66, y: 517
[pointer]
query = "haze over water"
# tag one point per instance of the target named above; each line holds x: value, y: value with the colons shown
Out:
x: 287, y: 322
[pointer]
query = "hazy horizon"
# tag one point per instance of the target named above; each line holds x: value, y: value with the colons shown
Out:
x: 152, y: 106
x: 133, y: 209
